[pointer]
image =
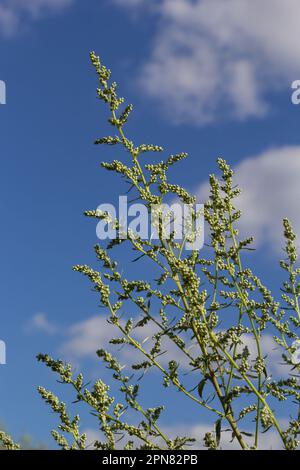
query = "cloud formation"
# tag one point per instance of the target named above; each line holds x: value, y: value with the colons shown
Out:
x: 13, y: 13
x: 270, y: 191
x: 40, y: 323
x: 212, y: 59
x: 84, y: 338
x: 268, y: 441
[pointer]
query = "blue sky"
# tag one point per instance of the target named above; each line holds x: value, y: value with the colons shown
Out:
x: 203, y: 80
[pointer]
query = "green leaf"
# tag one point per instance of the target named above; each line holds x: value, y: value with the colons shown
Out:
x: 201, y: 387
x: 218, y: 426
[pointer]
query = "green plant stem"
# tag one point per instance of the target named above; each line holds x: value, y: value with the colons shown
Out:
x: 256, y: 336
x: 156, y: 364
x: 227, y: 411
x: 253, y: 388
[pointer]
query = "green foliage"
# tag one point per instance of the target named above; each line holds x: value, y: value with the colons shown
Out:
x: 25, y: 442
x: 187, y: 303
x: 7, y: 442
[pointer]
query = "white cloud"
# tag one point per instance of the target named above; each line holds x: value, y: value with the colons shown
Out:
x: 92, y: 435
x: 8, y: 20
x: 268, y: 441
x: 13, y: 13
x: 83, y: 339
x: 270, y: 351
x: 270, y: 191
x: 40, y: 322
x: 86, y: 337
x: 213, y: 59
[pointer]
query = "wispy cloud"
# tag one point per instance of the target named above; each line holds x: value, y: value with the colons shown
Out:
x: 270, y: 351
x: 270, y: 192
x: 268, y: 441
x: 40, y: 323
x: 213, y: 59
x: 14, y: 13
x: 84, y: 338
